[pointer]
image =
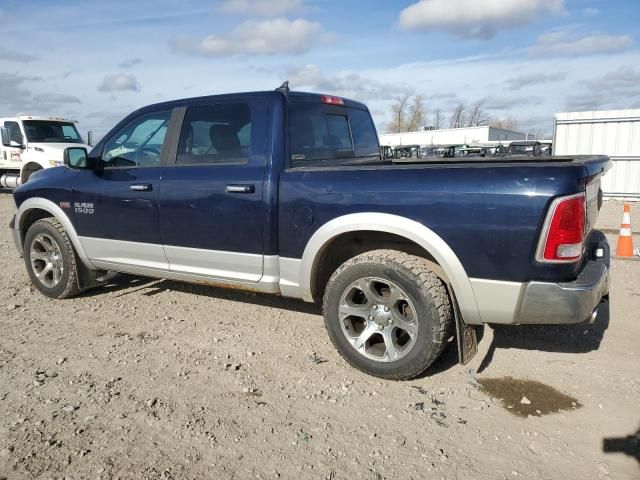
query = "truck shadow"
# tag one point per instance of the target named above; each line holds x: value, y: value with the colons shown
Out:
x: 129, y: 284
x: 581, y: 338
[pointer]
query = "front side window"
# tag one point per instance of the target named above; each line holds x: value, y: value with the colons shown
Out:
x: 215, y: 134
x: 46, y: 131
x: 139, y: 143
x: 15, y: 135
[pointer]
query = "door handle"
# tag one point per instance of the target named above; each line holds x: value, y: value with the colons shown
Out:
x: 141, y: 187
x: 241, y: 188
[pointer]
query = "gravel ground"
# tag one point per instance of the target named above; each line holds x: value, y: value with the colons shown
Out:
x: 149, y: 379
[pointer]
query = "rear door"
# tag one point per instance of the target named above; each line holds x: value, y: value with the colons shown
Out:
x: 212, y: 212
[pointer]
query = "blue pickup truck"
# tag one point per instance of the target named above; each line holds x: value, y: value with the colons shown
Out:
x: 287, y: 193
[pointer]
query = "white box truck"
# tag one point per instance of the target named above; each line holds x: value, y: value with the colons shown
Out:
x: 31, y: 143
x: 615, y: 133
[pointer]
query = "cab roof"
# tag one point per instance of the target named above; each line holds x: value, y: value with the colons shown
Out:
x: 21, y: 116
x: 289, y: 96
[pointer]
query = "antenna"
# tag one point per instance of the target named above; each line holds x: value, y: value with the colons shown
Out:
x: 284, y: 88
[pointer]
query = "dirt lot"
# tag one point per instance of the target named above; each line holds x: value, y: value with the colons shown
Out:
x: 156, y: 379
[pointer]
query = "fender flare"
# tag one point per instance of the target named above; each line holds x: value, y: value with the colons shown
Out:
x: 404, y: 227
x: 57, y: 212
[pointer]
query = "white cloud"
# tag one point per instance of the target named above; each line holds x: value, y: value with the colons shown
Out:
x: 260, y: 8
x: 346, y: 84
x: 502, y: 102
x: 15, y: 56
x: 55, y: 98
x: 473, y: 18
x: 526, y: 80
x: 130, y: 62
x: 617, y: 89
x: 590, y: 12
x: 563, y: 43
x: 119, y: 82
x: 265, y: 37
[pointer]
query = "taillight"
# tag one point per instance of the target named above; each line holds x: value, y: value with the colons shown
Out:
x: 563, y: 232
x: 331, y: 100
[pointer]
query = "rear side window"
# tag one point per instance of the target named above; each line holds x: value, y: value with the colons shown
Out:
x: 215, y: 134
x: 325, y: 134
x: 364, y: 134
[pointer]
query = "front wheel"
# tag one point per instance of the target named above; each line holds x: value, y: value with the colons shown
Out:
x: 50, y: 259
x: 388, y: 314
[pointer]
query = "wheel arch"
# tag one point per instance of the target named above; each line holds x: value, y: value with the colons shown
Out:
x: 28, y: 169
x: 34, y: 209
x: 434, y: 249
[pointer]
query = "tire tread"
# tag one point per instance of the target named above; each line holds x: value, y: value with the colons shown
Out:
x: 72, y: 287
x: 427, y: 281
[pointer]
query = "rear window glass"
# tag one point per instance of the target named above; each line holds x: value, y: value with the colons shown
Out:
x: 323, y: 133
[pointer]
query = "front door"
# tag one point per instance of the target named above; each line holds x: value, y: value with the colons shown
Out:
x: 12, y: 152
x: 115, y: 206
x: 212, y: 212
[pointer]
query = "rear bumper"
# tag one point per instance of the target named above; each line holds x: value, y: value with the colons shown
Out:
x: 548, y: 303
x: 565, y: 303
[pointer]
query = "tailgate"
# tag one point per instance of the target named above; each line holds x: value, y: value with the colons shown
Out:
x: 595, y: 168
x: 594, y: 202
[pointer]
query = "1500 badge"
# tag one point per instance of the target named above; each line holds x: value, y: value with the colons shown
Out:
x: 83, y: 207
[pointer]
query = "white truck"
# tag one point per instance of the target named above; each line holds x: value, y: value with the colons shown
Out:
x: 31, y: 143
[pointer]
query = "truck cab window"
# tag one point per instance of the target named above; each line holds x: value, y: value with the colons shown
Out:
x: 215, y: 134
x: 15, y: 135
x: 45, y: 131
x: 139, y: 143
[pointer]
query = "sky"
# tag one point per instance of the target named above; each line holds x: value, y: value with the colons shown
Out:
x: 96, y: 61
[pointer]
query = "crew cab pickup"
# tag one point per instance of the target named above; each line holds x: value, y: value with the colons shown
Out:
x: 287, y: 193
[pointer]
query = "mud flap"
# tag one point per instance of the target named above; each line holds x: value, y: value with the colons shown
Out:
x: 465, y: 336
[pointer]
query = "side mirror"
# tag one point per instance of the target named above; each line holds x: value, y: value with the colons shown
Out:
x: 76, y: 157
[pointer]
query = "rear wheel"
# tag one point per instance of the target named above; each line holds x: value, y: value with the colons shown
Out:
x: 50, y: 259
x: 387, y: 313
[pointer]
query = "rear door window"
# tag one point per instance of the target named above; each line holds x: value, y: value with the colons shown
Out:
x: 215, y: 134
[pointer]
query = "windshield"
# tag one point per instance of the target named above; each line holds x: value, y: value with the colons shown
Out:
x: 47, y: 131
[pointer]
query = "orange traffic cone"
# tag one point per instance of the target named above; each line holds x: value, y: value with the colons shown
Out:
x: 625, y: 240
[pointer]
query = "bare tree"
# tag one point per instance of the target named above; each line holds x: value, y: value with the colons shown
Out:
x: 457, y: 117
x: 507, y: 123
x: 408, y: 114
x: 477, y: 117
x: 416, y: 114
x: 437, y: 119
x: 399, y: 114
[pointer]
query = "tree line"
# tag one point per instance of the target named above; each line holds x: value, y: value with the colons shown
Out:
x: 409, y: 114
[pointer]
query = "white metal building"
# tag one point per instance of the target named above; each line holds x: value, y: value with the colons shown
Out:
x: 451, y: 136
x: 613, y: 132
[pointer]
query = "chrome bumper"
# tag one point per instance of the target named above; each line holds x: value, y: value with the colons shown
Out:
x: 565, y: 303
x: 570, y: 302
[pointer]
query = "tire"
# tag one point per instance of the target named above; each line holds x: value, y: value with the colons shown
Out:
x: 406, y: 311
x: 47, y: 247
